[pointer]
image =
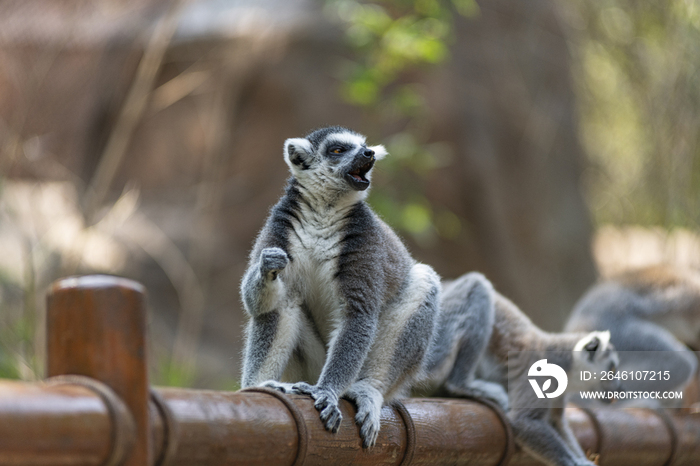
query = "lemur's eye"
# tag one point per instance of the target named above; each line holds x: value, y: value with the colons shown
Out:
x: 337, y: 150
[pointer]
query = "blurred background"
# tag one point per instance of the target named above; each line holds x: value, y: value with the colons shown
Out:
x: 543, y: 143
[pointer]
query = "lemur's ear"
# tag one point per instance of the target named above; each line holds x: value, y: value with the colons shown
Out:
x: 379, y: 151
x: 297, y: 153
x: 593, y: 342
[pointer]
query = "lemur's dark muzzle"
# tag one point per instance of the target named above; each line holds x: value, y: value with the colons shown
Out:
x: 363, y: 163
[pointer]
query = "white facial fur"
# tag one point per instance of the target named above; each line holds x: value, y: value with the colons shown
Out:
x: 353, y: 140
x: 318, y: 172
x: 379, y: 151
x: 348, y: 138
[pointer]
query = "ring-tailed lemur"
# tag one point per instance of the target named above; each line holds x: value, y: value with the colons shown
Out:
x: 654, y: 308
x: 477, y: 330
x: 335, y: 299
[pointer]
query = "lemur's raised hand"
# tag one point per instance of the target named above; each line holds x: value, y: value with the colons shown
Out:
x: 654, y: 308
x: 477, y: 329
x: 336, y: 302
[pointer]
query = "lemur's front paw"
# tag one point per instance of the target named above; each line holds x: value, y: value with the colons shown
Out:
x: 272, y: 261
x: 368, y: 419
x: 279, y: 386
x: 326, y: 403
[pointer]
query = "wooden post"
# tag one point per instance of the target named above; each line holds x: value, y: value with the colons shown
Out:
x: 96, y: 327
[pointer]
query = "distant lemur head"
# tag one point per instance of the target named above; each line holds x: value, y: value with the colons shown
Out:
x: 332, y: 158
x: 595, y: 353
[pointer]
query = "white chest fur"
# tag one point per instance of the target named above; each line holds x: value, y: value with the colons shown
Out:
x: 315, y: 246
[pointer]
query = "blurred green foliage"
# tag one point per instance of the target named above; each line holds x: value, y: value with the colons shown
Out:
x: 168, y: 373
x: 639, y: 92
x: 389, y: 37
x: 19, y: 358
x: 636, y: 70
x: 391, y: 41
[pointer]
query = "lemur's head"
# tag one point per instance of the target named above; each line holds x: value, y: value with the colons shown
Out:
x: 594, y: 353
x: 332, y: 158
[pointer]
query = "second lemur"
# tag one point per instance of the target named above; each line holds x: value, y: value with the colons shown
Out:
x: 482, y: 336
x: 336, y: 302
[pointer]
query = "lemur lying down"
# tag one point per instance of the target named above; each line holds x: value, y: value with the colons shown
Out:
x: 477, y: 330
x: 336, y: 302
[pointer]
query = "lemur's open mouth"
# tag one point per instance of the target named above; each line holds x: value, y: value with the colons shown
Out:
x: 356, y: 176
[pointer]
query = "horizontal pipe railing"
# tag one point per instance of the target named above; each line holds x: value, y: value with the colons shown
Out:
x: 69, y: 423
x: 42, y: 424
x: 97, y: 408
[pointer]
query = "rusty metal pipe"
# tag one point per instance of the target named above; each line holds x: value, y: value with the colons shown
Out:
x: 44, y: 424
x: 52, y: 425
x: 261, y: 429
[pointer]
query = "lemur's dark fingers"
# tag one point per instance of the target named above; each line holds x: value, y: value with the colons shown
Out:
x: 369, y: 435
x: 361, y: 417
x: 332, y: 418
x: 369, y: 430
x: 327, y: 410
x: 323, y: 402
